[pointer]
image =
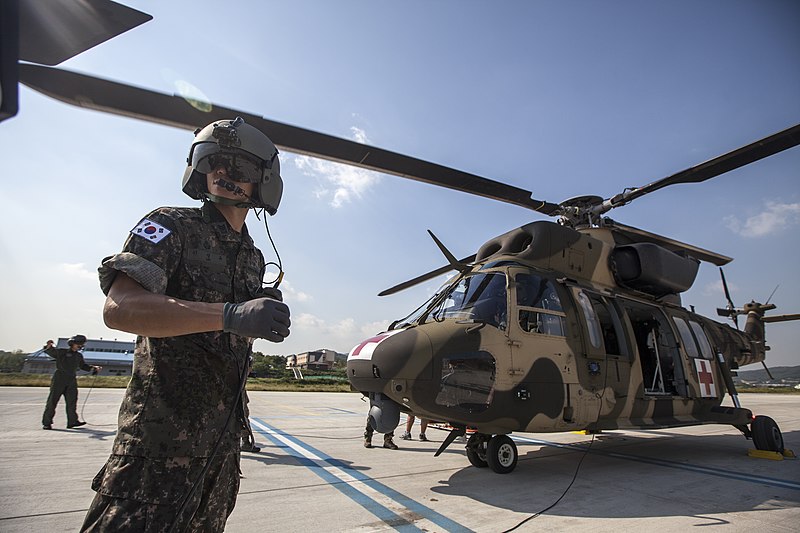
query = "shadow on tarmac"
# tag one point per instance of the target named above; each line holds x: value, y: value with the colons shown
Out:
x: 647, y: 477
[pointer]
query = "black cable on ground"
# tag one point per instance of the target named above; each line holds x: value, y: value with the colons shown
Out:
x: 574, y: 477
x: 580, y: 462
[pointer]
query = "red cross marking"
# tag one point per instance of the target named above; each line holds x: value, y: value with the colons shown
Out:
x: 706, y: 377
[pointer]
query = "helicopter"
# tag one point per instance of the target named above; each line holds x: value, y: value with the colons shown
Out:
x: 574, y: 325
x: 553, y: 326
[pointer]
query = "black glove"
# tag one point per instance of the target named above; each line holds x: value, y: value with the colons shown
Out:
x: 264, y: 318
x: 270, y: 292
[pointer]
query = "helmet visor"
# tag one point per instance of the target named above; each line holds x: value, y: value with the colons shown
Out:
x: 239, y: 165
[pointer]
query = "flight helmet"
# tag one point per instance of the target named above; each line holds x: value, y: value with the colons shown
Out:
x: 77, y: 339
x: 248, y: 156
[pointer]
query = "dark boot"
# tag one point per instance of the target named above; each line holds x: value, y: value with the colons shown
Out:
x: 367, y: 441
x: 250, y: 447
x: 388, y: 443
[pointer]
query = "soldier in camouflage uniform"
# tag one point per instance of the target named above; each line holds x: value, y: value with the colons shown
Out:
x: 189, y: 283
x: 68, y: 361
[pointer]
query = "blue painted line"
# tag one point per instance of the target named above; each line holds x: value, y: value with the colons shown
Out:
x: 775, y: 482
x: 385, y: 514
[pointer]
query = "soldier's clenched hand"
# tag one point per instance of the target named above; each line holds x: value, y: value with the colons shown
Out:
x: 264, y: 318
x: 271, y: 292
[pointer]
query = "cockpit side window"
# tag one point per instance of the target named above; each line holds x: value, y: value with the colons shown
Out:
x: 538, y: 305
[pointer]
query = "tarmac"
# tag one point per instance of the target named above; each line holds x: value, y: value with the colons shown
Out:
x: 313, y: 474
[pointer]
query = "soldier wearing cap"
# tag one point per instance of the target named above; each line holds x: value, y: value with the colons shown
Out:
x: 63, y: 382
x: 188, y: 282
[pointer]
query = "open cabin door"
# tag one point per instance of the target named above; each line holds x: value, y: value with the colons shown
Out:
x: 660, y: 361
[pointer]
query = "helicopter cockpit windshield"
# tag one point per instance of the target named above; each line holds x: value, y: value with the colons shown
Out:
x: 480, y: 297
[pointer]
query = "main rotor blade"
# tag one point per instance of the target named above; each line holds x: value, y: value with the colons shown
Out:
x: 424, y: 277
x: 740, y: 157
x: 111, y: 97
x: 781, y: 318
x: 51, y: 32
x: 454, y: 263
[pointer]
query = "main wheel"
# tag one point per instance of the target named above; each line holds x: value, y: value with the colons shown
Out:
x: 766, y: 434
x: 501, y: 454
x: 476, y: 450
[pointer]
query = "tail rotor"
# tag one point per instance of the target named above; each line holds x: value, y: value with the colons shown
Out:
x: 730, y: 311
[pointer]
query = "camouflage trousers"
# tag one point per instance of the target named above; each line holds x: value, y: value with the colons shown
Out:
x: 132, y: 508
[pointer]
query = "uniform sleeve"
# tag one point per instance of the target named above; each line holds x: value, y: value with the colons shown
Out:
x: 151, y: 253
x: 83, y: 366
x: 54, y: 352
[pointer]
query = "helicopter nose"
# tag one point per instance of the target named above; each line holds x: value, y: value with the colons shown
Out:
x: 392, y: 355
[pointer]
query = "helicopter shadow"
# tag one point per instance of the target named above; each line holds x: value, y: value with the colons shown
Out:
x: 645, y: 477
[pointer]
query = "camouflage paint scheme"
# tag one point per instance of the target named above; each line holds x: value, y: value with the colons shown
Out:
x: 551, y: 383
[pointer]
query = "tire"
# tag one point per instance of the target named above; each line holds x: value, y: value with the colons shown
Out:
x: 501, y: 454
x: 766, y: 434
x: 476, y: 451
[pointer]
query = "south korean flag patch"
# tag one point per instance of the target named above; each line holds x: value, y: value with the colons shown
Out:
x: 147, y: 229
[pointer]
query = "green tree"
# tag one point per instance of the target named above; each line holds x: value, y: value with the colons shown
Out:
x: 12, y: 361
x: 269, y: 366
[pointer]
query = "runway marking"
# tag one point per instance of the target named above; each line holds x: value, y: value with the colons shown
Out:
x: 393, y: 508
x: 316, y: 412
x: 752, y: 478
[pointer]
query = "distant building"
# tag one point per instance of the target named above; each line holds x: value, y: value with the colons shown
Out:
x: 316, y: 360
x: 116, y: 357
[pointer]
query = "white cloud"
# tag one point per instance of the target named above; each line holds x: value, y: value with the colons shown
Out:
x: 77, y: 270
x: 359, y: 135
x: 716, y: 289
x: 339, y: 184
x: 775, y: 217
x: 290, y: 294
x: 343, y: 332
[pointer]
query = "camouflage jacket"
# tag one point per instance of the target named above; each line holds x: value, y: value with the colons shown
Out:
x: 67, y: 361
x: 183, y: 388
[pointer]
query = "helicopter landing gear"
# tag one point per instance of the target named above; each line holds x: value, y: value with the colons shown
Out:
x: 766, y: 434
x: 497, y: 452
x: 476, y: 449
x: 501, y: 454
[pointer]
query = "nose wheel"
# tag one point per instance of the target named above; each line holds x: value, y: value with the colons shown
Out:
x: 497, y: 452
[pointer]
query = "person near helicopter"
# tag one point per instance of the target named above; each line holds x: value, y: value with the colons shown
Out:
x: 64, y: 383
x: 189, y: 283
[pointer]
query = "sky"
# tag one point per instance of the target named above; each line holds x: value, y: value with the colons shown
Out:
x: 562, y: 98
